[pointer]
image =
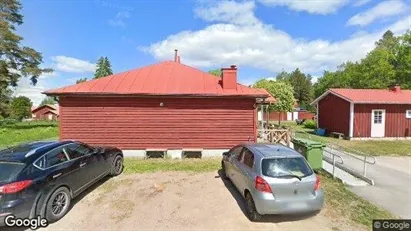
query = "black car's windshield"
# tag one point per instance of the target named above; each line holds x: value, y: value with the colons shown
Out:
x: 286, y: 167
x: 9, y: 171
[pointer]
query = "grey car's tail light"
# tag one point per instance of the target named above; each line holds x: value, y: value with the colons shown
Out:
x: 317, y: 183
x: 262, y: 185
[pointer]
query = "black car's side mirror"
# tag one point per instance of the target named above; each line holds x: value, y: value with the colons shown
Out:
x: 226, y: 153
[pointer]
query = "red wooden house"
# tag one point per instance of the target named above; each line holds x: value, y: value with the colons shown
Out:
x: 165, y: 106
x: 45, y: 112
x: 366, y: 113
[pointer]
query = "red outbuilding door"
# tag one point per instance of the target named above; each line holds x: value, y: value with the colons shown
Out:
x: 378, y: 123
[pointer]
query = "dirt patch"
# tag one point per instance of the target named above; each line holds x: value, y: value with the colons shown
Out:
x: 178, y: 201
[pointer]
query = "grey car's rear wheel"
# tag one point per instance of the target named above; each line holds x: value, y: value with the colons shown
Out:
x: 117, y: 167
x: 252, y: 213
x: 58, y: 204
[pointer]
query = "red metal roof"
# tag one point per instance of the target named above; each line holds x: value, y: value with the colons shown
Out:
x: 164, y: 78
x: 380, y: 96
x: 270, y: 98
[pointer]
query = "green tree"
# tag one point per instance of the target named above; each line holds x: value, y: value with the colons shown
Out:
x: 388, y: 41
x: 103, y: 68
x: 388, y: 63
x: 216, y: 72
x: 282, y: 91
x: 48, y: 100
x: 283, y: 76
x: 5, y: 100
x: 16, y: 60
x: 403, y: 67
x: 82, y: 80
x: 20, y: 107
x: 302, y: 86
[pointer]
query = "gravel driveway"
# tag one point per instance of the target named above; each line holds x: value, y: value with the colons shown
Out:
x: 177, y: 201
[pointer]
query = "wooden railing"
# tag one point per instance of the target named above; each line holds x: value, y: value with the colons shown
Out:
x: 275, y: 135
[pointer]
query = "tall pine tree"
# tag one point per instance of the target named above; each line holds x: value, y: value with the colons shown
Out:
x: 16, y: 60
x: 103, y: 68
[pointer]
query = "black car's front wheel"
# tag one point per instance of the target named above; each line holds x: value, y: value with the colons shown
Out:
x: 117, y: 167
x: 58, y: 204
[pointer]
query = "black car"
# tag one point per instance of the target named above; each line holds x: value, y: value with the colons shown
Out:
x: 41, y: 178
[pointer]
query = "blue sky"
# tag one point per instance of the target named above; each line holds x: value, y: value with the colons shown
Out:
x: 262, y: 37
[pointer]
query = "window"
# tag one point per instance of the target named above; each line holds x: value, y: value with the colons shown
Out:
x: 53, y: 158
x: 10, y: 170
x: 377, y: 117
x: 408, y: 114
x: 248, y: 158
x: 78, y: 150
x: 236, y: 152
x: 279, y: 167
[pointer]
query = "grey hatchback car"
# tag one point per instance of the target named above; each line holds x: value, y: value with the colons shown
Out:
x: 273, y: 179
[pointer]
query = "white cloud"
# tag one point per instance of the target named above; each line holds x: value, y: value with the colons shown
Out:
x: 358, y: 3
x: 69, y: 64
x: 383, y: 10
x: 262, y: 46
x: 310, y: 6
x: 46, y: 75
x: 239, y: 13
x: 25, y: 88
x: 118, y: 20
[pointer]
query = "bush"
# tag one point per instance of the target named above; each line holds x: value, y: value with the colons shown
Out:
x: 311, y: 124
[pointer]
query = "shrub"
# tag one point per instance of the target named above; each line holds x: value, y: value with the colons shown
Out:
x: 311, y: 124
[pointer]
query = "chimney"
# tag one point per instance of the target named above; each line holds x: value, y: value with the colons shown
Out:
x: 178, y: 59
x: 395, y: 88
x: 175, y: 55
x: 229, y: 77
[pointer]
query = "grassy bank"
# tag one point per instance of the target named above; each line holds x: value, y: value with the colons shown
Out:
x: 371, y: 147
x: 341, y: 202
x: 27, y: 131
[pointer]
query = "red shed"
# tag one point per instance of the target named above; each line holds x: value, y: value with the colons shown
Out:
x: 165, y: 106
x: 45, y: 112
x: 366, y: 113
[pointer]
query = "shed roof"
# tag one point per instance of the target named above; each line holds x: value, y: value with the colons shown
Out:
x: 164, y: 78
x: 54, y: 108
x: 270, y: 98
x: 370, y: 96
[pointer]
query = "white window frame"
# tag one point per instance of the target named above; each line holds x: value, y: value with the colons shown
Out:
x: 408, y: 114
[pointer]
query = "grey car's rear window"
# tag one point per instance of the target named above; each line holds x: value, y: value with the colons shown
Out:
x: 9, y: 171
x: 277, y: 167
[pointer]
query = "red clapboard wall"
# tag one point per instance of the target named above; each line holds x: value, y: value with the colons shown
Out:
x: 396, y: 124
x: 141, y: 123
x: 334, y: 114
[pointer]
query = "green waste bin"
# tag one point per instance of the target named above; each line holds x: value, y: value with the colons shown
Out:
x: 311, y: 150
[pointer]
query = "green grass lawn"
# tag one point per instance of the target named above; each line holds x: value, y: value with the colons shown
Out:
x: 339, y: 199
x: 371, y: 147
x: 136, y: 165
x: 27, y: 131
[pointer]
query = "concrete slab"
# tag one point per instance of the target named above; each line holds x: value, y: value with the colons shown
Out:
x: 213, y: 153
x: 135, y: 153
x: 175, y: 154
x: 345, y: 177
